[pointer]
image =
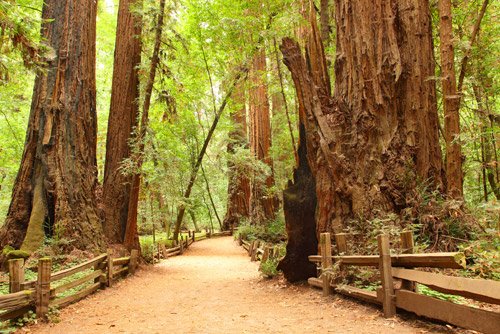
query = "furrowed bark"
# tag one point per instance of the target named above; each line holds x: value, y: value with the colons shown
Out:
x: 131, y: 237
x: 123, y: 116
x: 451, y: 103
x: 370, y: 145
x: 262, y: 206
x: 55, y: 185
x: 238, y: 188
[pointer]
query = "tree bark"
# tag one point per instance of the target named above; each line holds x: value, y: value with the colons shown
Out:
x: 451, y: 103
x: 54, y: 192
x: 284, y: 101
x: 371, y: 144
x: 238, y: 188
x: 299, y: 206
x: 325, y: 21
x: 262, y: 206
x: 131, y: 237
x: 123, y: 115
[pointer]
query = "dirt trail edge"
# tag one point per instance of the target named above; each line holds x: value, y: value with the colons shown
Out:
x: 214, y: 288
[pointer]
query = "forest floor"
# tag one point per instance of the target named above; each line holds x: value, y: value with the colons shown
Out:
x: 214, y: 288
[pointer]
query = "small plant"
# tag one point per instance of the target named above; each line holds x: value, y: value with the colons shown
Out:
x: 268, y: 268
x: 53, y: 315
x: 443, y: 296
x: 272, y: 231
x: 148, y: 251
x: 28, y: 318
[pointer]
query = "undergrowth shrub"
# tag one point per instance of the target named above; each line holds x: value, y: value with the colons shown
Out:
x: 148, y: 250
x: 273, y: 231
x: 268, y: 268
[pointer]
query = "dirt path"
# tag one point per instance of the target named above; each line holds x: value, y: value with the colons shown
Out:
x: 214, y: 288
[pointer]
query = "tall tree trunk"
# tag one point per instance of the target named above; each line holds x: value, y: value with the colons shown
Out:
x: 451, y: 103
x: 209, y: 192
x: 325, y: 21
x: 262, y: 206
x: 238, y: 188
x: 299, y: 206
x: 489, y: 163
x: 370, y: 145
x: 284, y: 101
x: 131, y: 237
x: 123, y: 116
x: 54, y: 193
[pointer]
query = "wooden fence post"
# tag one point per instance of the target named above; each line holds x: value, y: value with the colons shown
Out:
x: 194, y: 238
x: 385, y: 267
x: 326, y: 261
x: 265, y: 255
x: 110, y: 268
x: 16, y: 275
x: 43, y: 287
x: 250, y: 247
x: 407, y: 246
x: 132, y: 266
x: 340, y: 240
x: 240, y: 240
x: 181, y: 246
x: 253, y: 255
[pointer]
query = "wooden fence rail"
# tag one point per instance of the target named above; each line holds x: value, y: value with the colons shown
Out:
x: 258, y: 250
x: 53, y: 289
x: 394, y: 267
x: 185, y: 242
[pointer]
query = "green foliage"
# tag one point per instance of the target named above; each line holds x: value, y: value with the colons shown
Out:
x: 29, y: 318
x: 443, y: 296
x: 483, y: 257
x: 272, y: 231
x: 269, y: 268
x: 53, y: 315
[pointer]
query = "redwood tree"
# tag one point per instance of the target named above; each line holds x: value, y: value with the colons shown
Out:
x: 451, y: 103
x: 238, y: 202
x: 123, y: 114
x: 54, y: 192
x: 262, y: 206
x: 370, y: 144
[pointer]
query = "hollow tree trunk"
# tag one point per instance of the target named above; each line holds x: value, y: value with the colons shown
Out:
x: 262, y: 206
x: 299, y: 198
x: 451, y: 103
x: 54, y: 190
x: 238, y: 188
x: 123, y: 115
x: 299, y: 206
x: 370, y: 145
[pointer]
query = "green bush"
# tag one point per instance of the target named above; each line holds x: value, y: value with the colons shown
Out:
x: 148, y: 250
x: 269, y: 268
x: 273, y: 231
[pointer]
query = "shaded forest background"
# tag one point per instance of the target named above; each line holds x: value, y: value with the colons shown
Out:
x: 203, y: 46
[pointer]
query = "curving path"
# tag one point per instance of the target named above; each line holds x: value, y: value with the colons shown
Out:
x: 214, y: 288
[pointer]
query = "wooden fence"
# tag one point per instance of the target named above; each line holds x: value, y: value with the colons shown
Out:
x: 405, y: 295
x: 258, y: 250
x: 53, y: 289
x: 185, y: 242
